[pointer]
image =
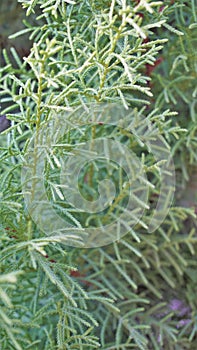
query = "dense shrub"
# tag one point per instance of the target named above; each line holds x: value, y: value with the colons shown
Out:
x: 138, y: 292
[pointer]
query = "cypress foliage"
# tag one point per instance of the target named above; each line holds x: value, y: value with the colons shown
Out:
x: 139, y: 291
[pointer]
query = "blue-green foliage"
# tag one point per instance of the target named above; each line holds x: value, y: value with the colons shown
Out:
x: 139, y: 292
